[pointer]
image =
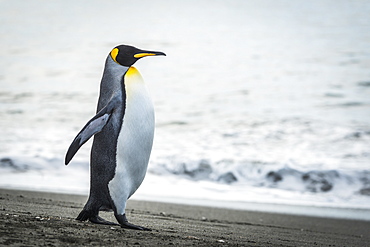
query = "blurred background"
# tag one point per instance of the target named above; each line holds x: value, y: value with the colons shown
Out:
x: 258, y: 103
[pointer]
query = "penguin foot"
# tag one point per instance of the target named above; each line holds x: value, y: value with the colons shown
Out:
x: 93, y: 218
x: 99, y: 220
x: 125, y: 224
x: 84, y: 215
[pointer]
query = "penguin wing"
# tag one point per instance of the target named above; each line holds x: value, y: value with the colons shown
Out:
x: 95, y: 125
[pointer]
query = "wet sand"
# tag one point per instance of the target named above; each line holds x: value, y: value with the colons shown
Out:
x: 38, y: 219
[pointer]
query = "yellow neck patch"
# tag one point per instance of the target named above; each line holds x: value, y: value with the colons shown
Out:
x: 132, y: 71
x: 114, y: 54
x: 133, y: 82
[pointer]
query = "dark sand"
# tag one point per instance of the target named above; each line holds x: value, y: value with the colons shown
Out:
x: 38, y: 219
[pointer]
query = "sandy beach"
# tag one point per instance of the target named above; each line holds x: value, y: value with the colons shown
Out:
x: 39, y: 219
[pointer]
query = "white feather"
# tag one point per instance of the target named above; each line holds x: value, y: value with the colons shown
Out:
x: 134, y: 142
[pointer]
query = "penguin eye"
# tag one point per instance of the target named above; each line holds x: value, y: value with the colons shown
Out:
x: 127, y: 54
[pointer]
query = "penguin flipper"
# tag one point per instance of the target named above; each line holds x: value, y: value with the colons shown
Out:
x: 95, y: 125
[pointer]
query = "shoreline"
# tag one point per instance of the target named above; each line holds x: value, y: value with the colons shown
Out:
x: 39, y: 218
x: 320, y: 210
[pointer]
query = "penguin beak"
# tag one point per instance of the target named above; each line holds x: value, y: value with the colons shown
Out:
x: 148, y: 53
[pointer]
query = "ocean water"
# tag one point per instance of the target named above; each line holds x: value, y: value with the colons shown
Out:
x: 257, y: 102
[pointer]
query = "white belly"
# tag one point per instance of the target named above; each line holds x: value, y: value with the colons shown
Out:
x: 134, y: 142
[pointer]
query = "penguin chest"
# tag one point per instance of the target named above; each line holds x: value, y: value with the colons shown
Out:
x: 135, y: 140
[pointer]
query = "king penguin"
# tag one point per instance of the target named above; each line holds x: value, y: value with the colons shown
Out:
x: 123, y: 130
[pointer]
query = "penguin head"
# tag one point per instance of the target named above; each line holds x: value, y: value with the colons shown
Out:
x: 126, y: 55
